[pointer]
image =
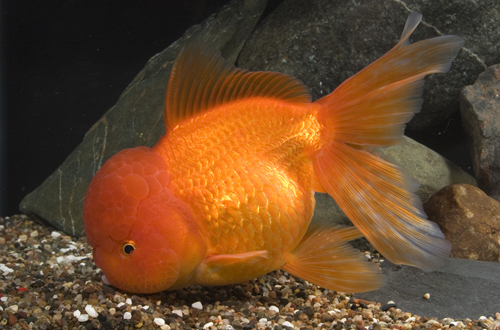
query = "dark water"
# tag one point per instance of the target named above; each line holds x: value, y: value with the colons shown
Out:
x: 65, y: 62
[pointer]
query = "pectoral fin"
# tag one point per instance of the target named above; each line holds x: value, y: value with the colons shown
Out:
x: 232, y: 259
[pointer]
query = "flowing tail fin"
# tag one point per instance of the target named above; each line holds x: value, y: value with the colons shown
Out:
x: 370, y: 109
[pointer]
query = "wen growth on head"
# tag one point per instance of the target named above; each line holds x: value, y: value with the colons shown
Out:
x: 227, y: 194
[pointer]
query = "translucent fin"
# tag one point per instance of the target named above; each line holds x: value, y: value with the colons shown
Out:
x: 376, y: 196
x: 349, y: 233
x: 371, y: 107
x: 410, y: 26
x: 201, y: 79
x: 231, y: 259
x: 369, y: 110
x: 324, y: 257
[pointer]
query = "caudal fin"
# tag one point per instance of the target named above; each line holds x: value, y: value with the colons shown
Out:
x: 370, y: 109
x: 324, y: 257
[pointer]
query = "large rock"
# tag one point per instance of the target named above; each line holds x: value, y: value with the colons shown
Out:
x: 469, y: 219
x: 431, y: 170
x: 136, y: 119
x: 480, y: 109
x: 428, y: 168
x: 324, y: 42
x: 460, y: 289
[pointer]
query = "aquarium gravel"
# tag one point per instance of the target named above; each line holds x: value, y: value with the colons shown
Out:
x: 49, y: 281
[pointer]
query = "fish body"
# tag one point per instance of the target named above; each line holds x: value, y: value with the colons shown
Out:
x: 249, y: 189
x: 227, y: 194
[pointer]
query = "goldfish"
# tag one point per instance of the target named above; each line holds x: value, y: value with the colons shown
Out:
x: 227, y: 193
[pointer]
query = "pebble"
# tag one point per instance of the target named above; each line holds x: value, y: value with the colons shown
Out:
x: 12, y: 320
x: 91, y: 311
x: 4, y: 269
x: 197, y: 305
x: 158, y: 321
x: 274, y: 309
x: 208, y: 325
x: 51, y: 282
x: 177, y: 312
x: 13, y: 309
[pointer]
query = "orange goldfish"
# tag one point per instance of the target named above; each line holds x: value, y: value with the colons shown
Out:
x: 227, y: 194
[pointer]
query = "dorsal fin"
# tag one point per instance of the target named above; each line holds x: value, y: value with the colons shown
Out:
x: 201, y: 79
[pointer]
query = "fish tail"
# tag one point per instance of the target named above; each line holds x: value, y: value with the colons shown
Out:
x: 370, y: 110
x: 324, y: 257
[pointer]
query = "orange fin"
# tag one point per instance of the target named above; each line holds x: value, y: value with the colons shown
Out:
x: 201, y: 79
x: 370, y: 110
x: 324, y: 257
x: 347, y: 233
x: 316, y: 184
x: 231, y: 259
x: 377, y: 197
x: 371, y: 107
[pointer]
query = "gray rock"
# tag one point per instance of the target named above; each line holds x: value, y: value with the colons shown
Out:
x: 431, y: 170
x: 460, y: 289
x: 136, y: 119
x: 475, y: 21
x: 325, y: 42
x: 480, y: 109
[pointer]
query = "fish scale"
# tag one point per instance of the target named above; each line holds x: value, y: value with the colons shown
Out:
x: 236, y: 195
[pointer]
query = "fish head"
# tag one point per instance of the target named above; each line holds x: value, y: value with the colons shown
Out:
x: 144, y: 238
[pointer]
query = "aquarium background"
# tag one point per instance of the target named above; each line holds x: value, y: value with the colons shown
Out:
x: 64, y: 63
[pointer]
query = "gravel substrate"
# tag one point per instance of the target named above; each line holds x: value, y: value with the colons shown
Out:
x: 49, y: 281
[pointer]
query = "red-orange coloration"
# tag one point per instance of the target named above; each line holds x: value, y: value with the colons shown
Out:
x: 226, y: 194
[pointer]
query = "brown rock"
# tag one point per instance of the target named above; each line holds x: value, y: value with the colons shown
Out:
x: 12, y: 320
x: 469, y: 219
x: 480, y: 109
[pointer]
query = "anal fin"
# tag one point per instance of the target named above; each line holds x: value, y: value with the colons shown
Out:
x: 324, y: 257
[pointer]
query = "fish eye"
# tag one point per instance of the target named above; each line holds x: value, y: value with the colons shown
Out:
x: 128, y: 248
